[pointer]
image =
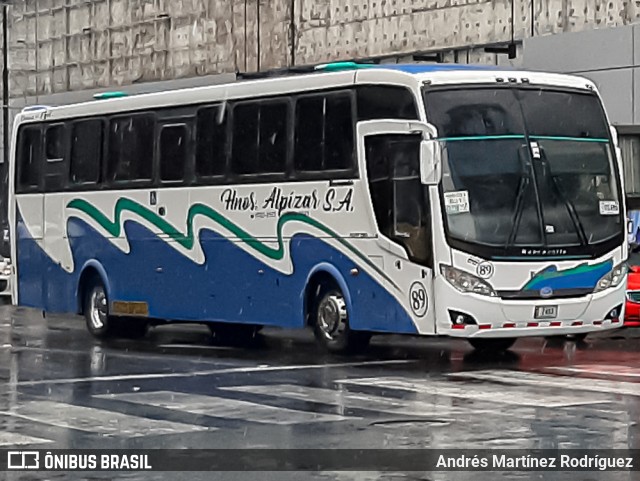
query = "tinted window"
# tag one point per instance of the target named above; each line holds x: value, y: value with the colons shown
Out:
x: 386, y: 102
x: 173, y: 151
x: 273, y: 136
x: 54, y: 143
x: 244, y: 158
x: 86, y: 151
x: 574, y: 115
x: 211, y: 141
x: 30, y: 153
x: 259, y: 138
x: 475, y: 112
x: 130, y: 148
x: 324, y: 133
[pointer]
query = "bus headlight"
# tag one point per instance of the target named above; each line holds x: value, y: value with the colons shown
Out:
x: 465, y: 282
x: 612, y: 279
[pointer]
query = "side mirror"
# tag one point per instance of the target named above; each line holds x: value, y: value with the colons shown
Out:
x: 430, y: 162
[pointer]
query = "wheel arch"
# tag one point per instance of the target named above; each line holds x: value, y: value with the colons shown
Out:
x: 91, y: 269
x: 319, y: 275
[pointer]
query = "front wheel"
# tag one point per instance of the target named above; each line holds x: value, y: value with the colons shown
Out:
x: 492, y: 345
x: 331, y: 328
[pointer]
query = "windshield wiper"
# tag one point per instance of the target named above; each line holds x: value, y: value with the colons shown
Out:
x: 522, y: 188
x: 573, y: 214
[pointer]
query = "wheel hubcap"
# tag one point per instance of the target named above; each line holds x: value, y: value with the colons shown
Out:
x: 332, y: 316
x: 98, y: 308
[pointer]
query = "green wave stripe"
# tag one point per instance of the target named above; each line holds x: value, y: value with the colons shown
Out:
x: 188, y: 240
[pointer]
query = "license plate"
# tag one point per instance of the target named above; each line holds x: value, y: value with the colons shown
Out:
x: 546, y: 312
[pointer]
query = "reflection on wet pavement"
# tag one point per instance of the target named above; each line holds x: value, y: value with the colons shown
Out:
x: 176, y: 389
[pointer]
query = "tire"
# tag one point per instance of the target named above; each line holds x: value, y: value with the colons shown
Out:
x: 492, y: 345
x: 330, y: 319
x: 96, y: 310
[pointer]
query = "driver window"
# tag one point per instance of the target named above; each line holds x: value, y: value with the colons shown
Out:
x: 400, y: 201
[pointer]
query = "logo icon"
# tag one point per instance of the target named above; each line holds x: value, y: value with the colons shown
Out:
x: 546, y: 292
x: 23, y: 460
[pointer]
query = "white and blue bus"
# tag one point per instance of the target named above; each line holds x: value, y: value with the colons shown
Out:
x: 355, y: 199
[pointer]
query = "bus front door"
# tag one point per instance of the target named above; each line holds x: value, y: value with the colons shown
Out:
x: 402, y: 211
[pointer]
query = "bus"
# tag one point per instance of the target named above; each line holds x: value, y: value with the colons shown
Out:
x: 353, y: 199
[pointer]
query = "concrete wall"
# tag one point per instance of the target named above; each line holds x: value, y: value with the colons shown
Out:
x: 609, y: 57
x: 61, y: 45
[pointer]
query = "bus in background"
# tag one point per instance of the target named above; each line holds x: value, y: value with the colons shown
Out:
x: 354, y: 199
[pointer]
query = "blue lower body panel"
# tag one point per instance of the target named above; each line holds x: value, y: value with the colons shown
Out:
x: 232, y: 285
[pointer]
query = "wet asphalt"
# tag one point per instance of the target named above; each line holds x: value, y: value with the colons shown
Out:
x: 177, y: 388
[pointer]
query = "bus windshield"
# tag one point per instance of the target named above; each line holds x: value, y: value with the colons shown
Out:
x: 527, y: 171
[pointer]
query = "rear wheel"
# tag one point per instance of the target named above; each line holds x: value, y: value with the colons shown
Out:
x: 330, y: 319
x: 102, y: 325
x: 492, y: 345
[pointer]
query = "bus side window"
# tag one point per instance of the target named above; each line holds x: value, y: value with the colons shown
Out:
x: 386, y: 102
x: 260, y: 137
x: 55, y: 148
x: 174, y: 144
x: 30, y: 159
x: 324, y: 133
x: 211, y: 141
x: 86, y: 151
x: 54, y: 143
x: 131, y: 146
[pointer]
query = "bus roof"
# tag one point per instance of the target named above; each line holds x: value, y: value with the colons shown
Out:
x: 336, y: 75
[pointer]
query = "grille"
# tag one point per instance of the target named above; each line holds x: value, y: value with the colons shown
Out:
x: 634, y: 296
x: 535, y: 294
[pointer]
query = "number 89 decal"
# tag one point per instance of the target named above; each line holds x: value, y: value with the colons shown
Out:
x: 418, y: 299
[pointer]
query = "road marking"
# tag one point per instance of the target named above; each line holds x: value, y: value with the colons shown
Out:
x: 15, y: 439
x: 547, y: 380
x: 349, y: 400
x: 222, y: 407
x: 598, y: 369
x: 518, y: 396
x: 99, y: 421
x: 232, y: 370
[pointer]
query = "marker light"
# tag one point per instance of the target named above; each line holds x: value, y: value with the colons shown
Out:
x: 338, y: 66
x: 110, y: 95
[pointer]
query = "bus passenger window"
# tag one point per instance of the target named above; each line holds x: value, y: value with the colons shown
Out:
x: 173, y: 152
x: 273, y: 136
x: 324, y: 133
x: 29, y: 139
x: 259, y: 138
x: 211, y: 141
x: 54, y: 143
x: 131, y: 142
x: 86, y: 151
x: 338, y: 137
x: 244, y: 152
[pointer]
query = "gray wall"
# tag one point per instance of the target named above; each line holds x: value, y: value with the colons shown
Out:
x: 609, y: 57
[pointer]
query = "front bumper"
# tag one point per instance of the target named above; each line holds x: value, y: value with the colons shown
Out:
x: 497, y: 318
